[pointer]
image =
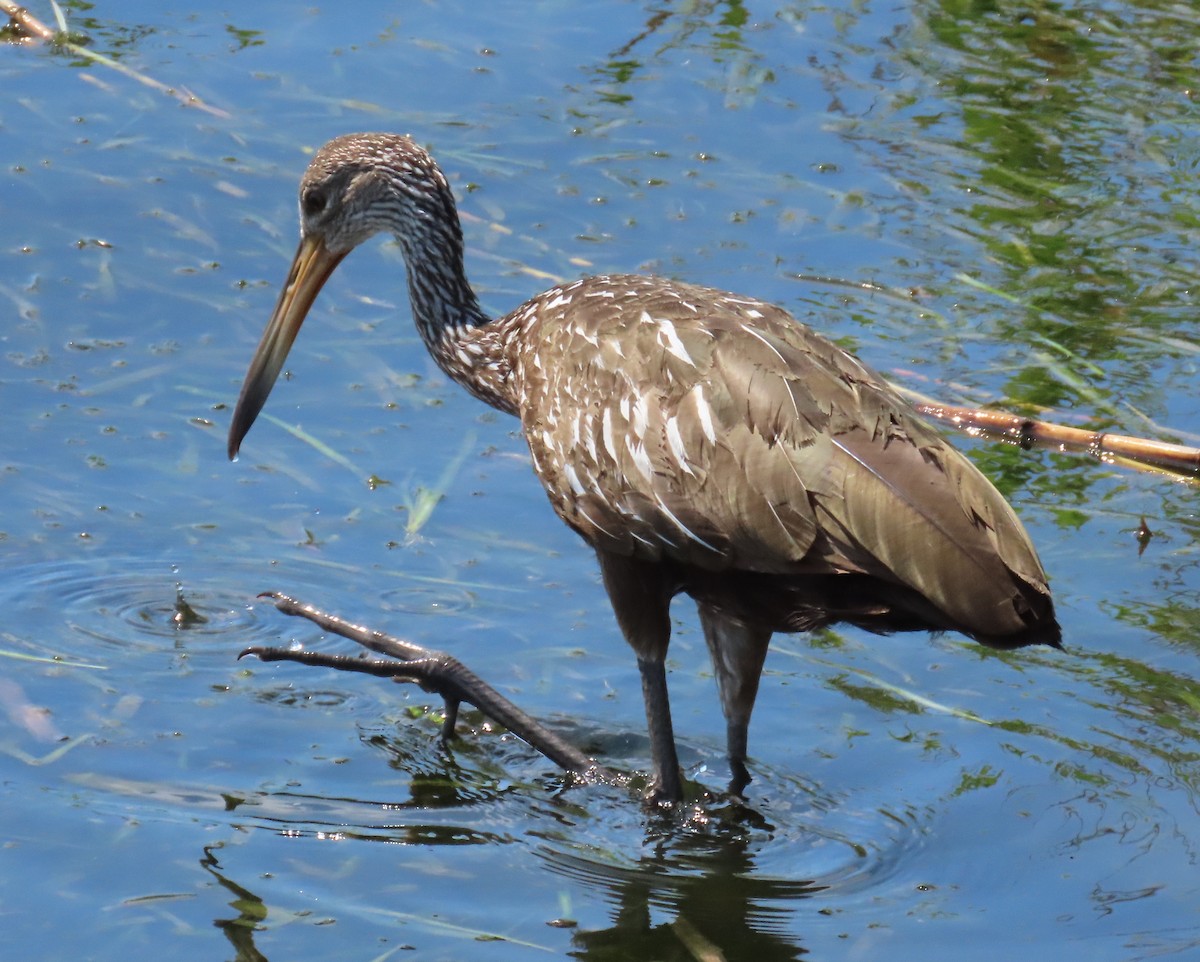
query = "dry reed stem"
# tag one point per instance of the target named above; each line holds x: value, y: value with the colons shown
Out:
x: 1141, y: 453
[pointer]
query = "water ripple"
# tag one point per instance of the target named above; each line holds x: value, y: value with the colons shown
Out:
x: 792, y: 841
x: 129, y: 605
x: 789, y: 842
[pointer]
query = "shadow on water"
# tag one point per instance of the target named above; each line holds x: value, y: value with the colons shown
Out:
x: 717, y: 879
x: 723, y: 913
x: 250, y: 908
x: 696, y: 891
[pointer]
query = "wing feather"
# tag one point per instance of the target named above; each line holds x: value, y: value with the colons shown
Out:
x: 747, y: 441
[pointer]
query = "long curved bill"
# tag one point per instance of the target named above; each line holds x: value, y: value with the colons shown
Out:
x: 311, y: 267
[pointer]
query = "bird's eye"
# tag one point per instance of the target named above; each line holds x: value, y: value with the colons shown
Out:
x: 312, y: 202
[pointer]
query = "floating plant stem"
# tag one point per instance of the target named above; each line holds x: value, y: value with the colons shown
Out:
x: 28, y: 28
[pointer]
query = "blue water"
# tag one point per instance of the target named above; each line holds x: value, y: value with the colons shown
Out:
x: 1018, y: 185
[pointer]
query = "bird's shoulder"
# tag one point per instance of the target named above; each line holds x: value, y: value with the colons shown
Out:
x: 640, y: 334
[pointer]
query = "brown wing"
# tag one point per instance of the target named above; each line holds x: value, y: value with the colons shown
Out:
x: 673, y: 421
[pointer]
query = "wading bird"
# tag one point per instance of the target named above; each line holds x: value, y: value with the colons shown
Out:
x: 700, y: 441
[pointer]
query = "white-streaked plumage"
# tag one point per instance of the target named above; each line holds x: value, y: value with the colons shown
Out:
x: 702, y: 442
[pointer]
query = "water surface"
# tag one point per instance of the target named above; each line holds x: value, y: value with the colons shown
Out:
x: 1006, y: 199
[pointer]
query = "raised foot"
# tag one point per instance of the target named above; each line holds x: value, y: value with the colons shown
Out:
x: 434, y: 671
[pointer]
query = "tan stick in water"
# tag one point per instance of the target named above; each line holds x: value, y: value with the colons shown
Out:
x: 1031, y: 433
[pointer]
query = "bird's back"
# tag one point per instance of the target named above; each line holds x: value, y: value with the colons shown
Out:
x: 717, y: 434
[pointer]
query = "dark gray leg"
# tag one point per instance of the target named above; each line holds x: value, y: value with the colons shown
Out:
x: 641, y: 598
x: 738, y: 652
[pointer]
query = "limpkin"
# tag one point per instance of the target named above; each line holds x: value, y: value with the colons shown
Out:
x: 700, y: 441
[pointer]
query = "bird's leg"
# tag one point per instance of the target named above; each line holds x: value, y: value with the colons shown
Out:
x: 738, y: 652
x: 434, y: 671
x: 641, y: 597
x: 451, y: 718
x: 667, y: 783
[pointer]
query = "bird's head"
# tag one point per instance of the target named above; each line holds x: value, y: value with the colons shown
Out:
x: 355, y: 187
x: 363, y: 184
